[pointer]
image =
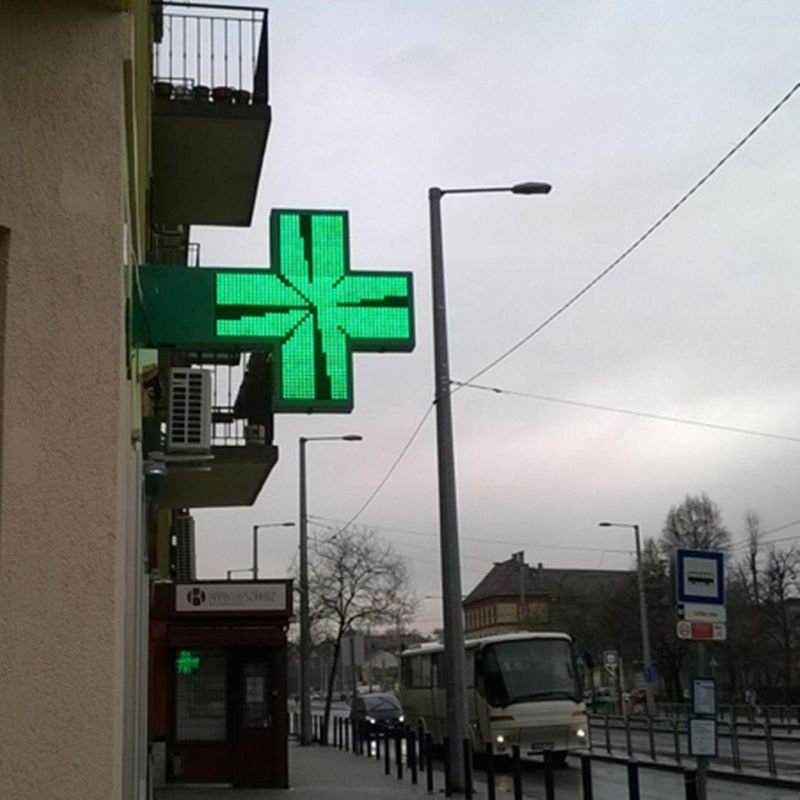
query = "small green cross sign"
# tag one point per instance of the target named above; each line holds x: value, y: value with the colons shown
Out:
x: 186, y: 662
x: 310, y: 311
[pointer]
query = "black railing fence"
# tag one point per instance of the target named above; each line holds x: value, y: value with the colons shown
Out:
x: 210, y: 53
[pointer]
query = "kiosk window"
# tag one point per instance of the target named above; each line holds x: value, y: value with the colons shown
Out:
x: 200, y: 698
x: 256, y: 696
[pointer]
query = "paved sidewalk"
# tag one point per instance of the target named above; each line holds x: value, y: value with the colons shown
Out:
x: 325, y: 772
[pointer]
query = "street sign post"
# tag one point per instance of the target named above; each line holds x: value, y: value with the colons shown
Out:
x: 700, y: 577
x: 700, y: 595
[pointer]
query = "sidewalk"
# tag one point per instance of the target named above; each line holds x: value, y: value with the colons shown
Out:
x: 318, y: 773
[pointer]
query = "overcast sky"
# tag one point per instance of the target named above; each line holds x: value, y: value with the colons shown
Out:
x: 622, y: 106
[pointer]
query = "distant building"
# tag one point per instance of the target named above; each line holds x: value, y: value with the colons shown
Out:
x: 515, y: 596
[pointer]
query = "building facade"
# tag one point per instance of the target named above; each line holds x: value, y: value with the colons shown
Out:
x: 116, y: 137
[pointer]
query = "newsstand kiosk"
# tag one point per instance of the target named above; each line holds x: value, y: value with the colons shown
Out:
x: 218, y: 663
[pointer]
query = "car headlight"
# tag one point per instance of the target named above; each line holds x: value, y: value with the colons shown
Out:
x: 500, y: 738
x: 371, y: 720
x: 580, y: 733
x: 401, y: 718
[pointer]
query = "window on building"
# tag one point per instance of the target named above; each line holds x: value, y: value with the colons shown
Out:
x: 200, y: 695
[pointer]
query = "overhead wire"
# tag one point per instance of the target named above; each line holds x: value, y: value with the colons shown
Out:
x: 627, y: 411
x: 483, y: 540
x: 581, y: 292
x: 641, y: 239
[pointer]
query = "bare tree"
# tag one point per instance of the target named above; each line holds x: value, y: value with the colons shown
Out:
x: 356, y: 580
x: 696, y: 523
x: 780, y: 587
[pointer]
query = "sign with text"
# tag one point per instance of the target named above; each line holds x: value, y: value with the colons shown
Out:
x: 701, y: 612
x: 699, y: 577
x: 702, y: 631
x: 704, y: 697
x: 231, y: 597
x: 309, y: 310
x: 702, y: 737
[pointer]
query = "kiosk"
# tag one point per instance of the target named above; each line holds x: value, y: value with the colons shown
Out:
x: 218, y: 663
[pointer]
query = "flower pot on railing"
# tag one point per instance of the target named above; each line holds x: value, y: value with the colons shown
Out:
x: 222, y: 94
x: 162, y: 89
x: 201, y: 92
x: 241, y: 96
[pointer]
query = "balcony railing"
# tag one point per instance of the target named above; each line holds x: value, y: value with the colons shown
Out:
x: 210, y: 53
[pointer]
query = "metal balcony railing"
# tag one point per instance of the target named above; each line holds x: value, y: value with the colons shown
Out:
x: 176, y: 255
x: 210, y: 53
x: 228, y: 428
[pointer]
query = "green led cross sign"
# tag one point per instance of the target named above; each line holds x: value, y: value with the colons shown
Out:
x: 310, y: 310
x: 186, y: 662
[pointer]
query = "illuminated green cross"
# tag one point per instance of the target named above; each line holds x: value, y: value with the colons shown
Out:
x: 309, y: 310
x: 186, y: 662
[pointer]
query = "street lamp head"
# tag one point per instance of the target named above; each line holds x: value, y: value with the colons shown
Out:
x: 352, y: 437
x: 605, y: 524
x: 531, y: 187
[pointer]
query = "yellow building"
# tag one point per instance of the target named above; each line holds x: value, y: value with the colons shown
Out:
x: 109, y: 152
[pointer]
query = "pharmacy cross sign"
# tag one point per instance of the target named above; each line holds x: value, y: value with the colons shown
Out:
x: 310, y: 311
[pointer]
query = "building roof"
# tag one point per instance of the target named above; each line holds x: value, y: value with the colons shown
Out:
x: 503, y: 580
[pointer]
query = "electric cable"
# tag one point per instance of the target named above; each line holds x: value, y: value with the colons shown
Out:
x: 641, y: 239
x: 627, y: 411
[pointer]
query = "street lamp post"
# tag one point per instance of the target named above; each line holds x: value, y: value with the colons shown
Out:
x: 256, y: 529
x: 305, y: 624
x: 448, y: 522
x: 648, y: 664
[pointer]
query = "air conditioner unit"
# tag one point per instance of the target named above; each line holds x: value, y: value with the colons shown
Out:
x: 189, y: 422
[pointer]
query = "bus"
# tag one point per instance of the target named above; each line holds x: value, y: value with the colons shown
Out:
x: 522, y: 689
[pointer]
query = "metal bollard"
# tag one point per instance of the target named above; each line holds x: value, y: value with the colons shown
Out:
x: 398, y: 754
x: 421, y: 742
x: 737, y: 761
x: 608, y: 735
x: 690, y: 782
x: 586, y: 778
x: 633, y: 781
x: 336, y: 732
x: 346, y: 737
x: 467, y: 747
x: 429, y: 761
x: 517, y: 767
x: 771, y: 766
x: 549, y: 776
x: 377, y: 744
x: 448, y: 786
x: 490, y: 788
x: 628, y: 742
x: 387, y: 752
x: 652, y: 736
x: 412, y: 755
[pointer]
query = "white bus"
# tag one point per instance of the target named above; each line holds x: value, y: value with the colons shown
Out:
x: 522, y: 689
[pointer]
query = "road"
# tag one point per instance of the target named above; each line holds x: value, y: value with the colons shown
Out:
x: 610, y: 780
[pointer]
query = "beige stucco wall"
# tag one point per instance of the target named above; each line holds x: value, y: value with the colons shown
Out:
x: 65, y: 427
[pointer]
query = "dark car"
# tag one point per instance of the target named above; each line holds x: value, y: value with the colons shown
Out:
x: 378, y: 712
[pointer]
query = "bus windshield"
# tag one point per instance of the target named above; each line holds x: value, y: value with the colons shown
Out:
x: 528, y: 669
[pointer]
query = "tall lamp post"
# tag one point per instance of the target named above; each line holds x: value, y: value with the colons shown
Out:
x: 648, y: 664
x: 305, y: 626
x: 448, y: 523
x: 256, y: 529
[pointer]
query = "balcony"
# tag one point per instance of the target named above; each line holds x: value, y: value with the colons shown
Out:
x: 242, y: 433
x: 211, y: 113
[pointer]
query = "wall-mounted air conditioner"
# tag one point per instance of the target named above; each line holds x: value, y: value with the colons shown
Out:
x: 189, y: 421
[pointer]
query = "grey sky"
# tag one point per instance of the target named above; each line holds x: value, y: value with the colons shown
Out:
x: 622, y: 106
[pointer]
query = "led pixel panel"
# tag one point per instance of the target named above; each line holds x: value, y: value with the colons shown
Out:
x: 309, y: 310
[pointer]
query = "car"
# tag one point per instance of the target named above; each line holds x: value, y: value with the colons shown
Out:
x: 379, y: 712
